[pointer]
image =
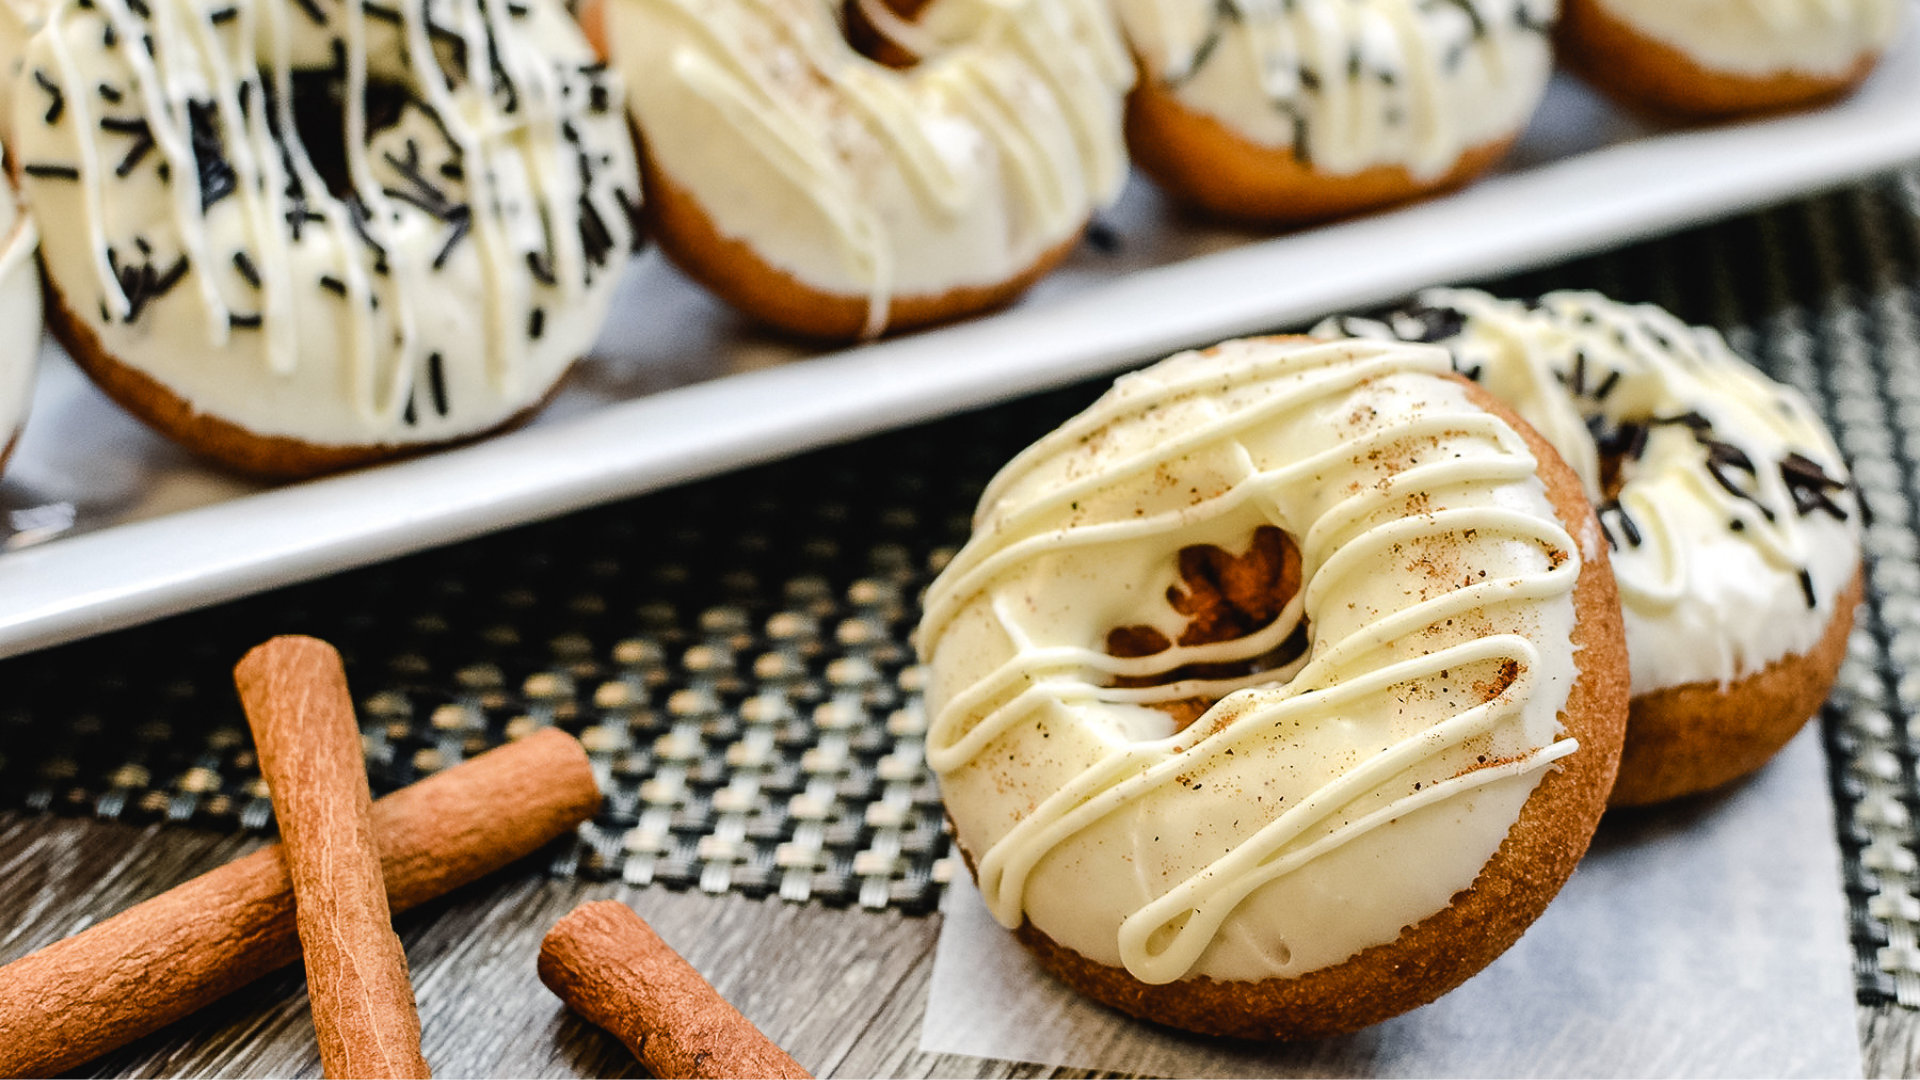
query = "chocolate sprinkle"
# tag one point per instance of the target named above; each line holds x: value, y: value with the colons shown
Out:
x: 1628, y: 527
x: 50, y: 172
x: 540, y: 268
x: 244, y: 322
x: 462, y: 221
x: 247, y: 270
x: 216, y: 173
x: 596, y: 242
x: 138, y: 150
x: 141, y: 283
x: 437, y: 382
x: 1607, y: 385
x: 333, y: 285
x: 58, y: 102
x: 537, y: 323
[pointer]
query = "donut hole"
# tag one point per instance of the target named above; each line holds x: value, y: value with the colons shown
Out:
x: 1224, y: 597
x: 320, y: 119
x: 883, y: 31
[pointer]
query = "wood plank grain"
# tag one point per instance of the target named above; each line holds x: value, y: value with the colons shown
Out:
x: 843, y: 990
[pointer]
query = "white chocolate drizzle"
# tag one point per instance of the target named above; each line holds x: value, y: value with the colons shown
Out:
x: 1347, y: 85
x: 1730, y: 512
x: 1387, y: 760
x: 432, y: 281
x: 860, y: 180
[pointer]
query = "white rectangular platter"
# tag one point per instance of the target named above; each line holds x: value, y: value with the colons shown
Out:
x: 107, y: 526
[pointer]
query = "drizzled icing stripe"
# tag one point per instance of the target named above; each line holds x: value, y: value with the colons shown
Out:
x: 1729, y: 509
x: 1462, y: 482
x: 962, y: 171
x: 1350, y: 85
x: 344, y: 296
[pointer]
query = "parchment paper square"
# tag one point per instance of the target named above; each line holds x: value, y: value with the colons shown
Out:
x: 1705, y: 939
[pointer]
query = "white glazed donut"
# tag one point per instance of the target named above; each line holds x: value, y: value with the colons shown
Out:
x: 20, y: 318
x: 1732, y: 520
x: 1289, y: 110
x: 1726, y: 57
x: 1353, y: 822
x: 306, y: 235
x: 832, y: 196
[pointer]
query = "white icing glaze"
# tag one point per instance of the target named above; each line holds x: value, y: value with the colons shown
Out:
x: 472, y: 265
x: 1352, y: 84
x: 863, y: 181
x: 1766, y: 37
x: 1316, y: 808
x: 18, y: 20
x: 1705, y: 600
x: 20, y: 310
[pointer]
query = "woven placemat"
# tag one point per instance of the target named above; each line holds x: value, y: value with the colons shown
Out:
x: 735, y: 653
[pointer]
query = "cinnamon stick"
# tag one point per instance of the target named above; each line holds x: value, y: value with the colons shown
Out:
x: 161, y: 960
x: 610, y: 967
x: 294, y: 690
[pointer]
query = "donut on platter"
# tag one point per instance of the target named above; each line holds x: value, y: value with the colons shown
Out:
x: 1268, y: 112
x: 1706, y: 59
x: 300, y: 237
x: 1733, y: 523
x: 1278, y: 692
x: 836, y: 197
x: 20, y: 318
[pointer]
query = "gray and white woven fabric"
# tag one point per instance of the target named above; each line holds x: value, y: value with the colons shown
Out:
x: 735, y: 656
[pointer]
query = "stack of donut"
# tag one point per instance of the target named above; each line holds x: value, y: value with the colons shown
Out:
x: 1278, y: 692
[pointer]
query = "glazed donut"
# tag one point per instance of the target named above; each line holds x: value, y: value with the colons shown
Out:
x: 1279, y: 691
x: 20, y: 318
x: 311, y: 235
x: 835, y: 197
x: 1276, y: 112
x: 1703, y: 59
x: 1733, y: 523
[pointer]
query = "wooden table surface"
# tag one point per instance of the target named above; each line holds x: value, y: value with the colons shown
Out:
x: 843, y: 990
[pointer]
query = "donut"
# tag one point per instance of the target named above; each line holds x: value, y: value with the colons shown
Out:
x: 302, y: 237
x: 1276, y: 112
x: 834, y: 197
x: 1278, y: 692
x: 1709, y: 59
x: 20, y: 318
x: 1732, y: 521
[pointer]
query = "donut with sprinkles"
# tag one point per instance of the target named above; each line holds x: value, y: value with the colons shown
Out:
x: 307, y: 236
x: 1282, y: 112
x: 1733, y: 522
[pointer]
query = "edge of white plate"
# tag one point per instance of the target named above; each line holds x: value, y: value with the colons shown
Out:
x: 128, y: 574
